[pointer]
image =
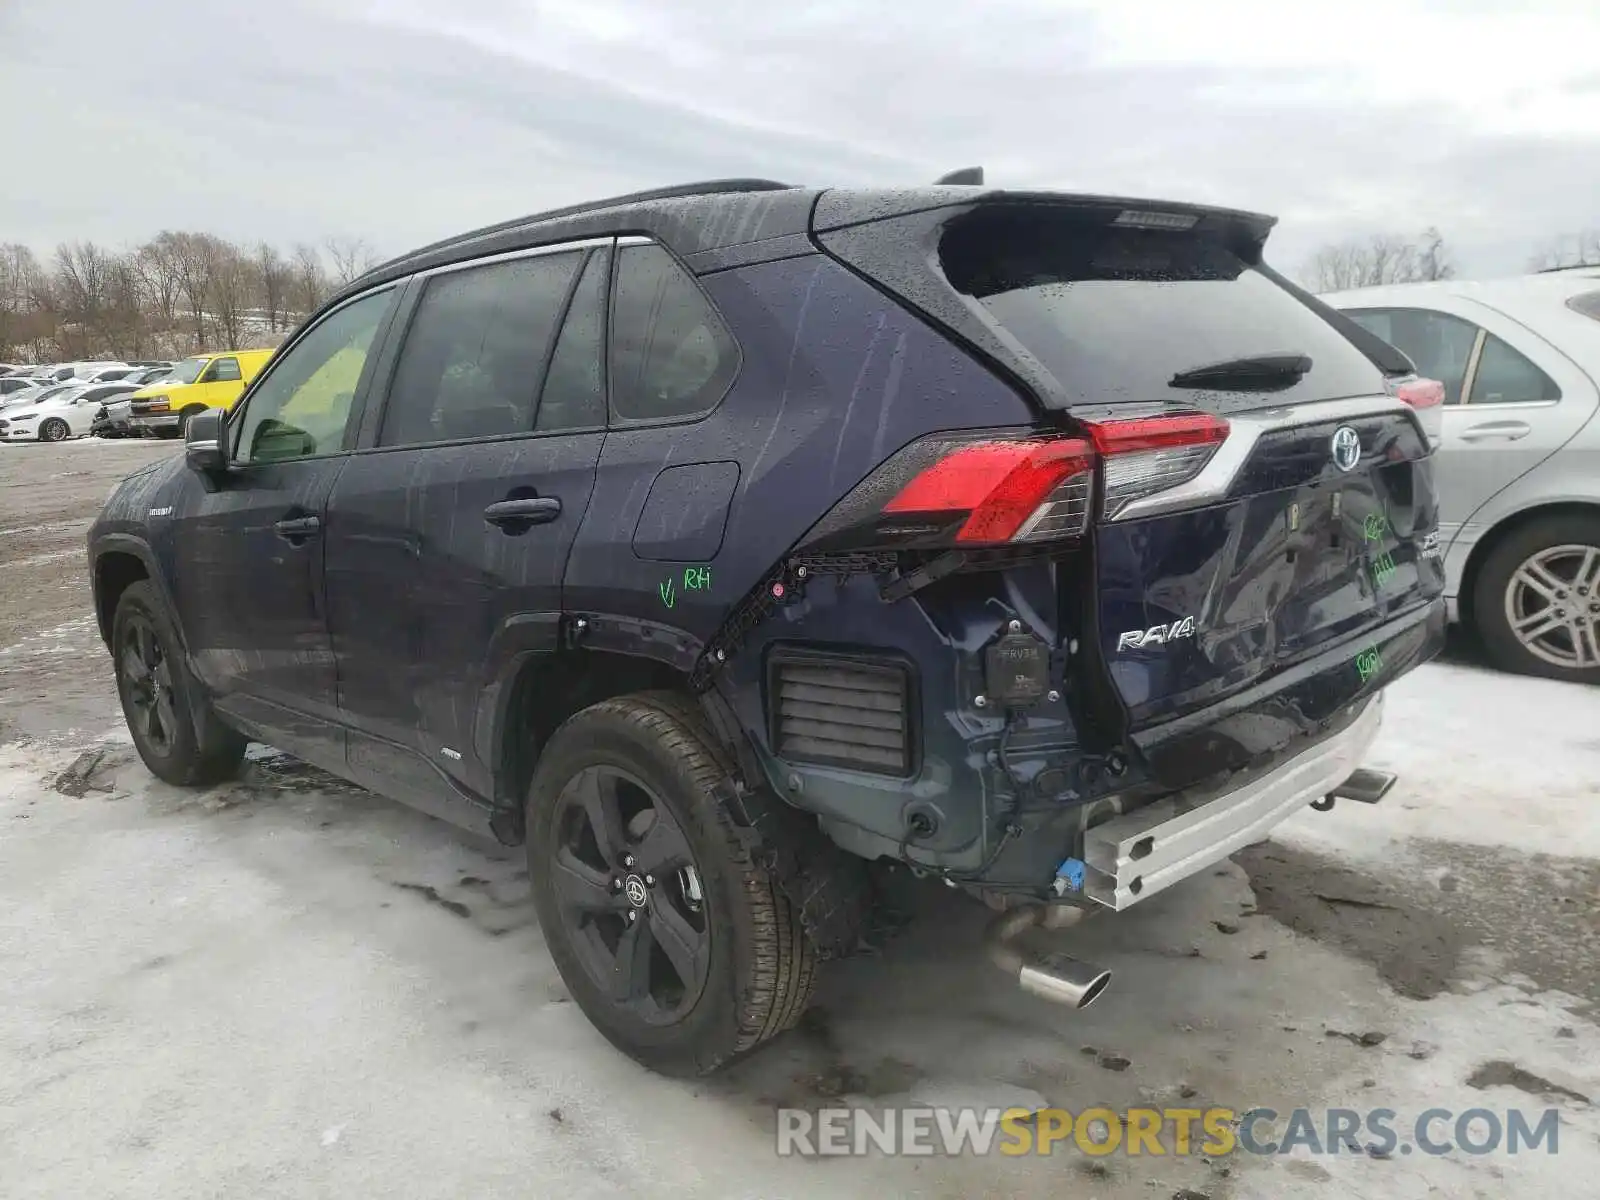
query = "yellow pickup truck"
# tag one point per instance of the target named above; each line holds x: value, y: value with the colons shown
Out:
x: 200, y: 381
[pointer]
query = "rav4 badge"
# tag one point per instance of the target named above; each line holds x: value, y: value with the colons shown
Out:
x: 1156, y: 635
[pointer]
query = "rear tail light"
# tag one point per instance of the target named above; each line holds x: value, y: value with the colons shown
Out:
x: 1426, y: 398
x: 975, y: 490
x: 1149, y: 455
x: 1004, y: 491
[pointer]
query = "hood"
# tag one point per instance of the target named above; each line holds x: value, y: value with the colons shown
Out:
x: 159, y: 388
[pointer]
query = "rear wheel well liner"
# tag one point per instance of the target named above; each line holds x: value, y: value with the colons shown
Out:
x: 548, y: 689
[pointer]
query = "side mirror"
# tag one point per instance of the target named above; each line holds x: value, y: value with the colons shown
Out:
x: 205, y: 441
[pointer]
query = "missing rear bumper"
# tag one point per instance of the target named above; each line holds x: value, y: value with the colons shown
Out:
x: 1137, y: 855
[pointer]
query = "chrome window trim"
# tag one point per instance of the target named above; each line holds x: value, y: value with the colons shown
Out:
x: 545, y: 251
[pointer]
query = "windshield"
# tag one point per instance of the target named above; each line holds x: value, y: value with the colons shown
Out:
x: 187, y: 371
x: 1114, y: 313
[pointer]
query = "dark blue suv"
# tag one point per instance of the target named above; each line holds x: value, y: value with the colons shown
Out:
x: 739, y: 546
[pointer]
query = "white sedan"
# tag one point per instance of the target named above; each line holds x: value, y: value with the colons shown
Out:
x: 66, y: 414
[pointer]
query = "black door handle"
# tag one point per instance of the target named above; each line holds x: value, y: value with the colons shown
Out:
x: 532, y: 510
x: 294, y: 529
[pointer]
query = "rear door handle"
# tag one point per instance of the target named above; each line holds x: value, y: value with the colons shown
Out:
x: 294, y: 529
x: 532, y: 510
x: 1509, y: 430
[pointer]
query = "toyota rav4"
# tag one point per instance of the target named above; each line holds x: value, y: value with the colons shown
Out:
x: 736, y: 546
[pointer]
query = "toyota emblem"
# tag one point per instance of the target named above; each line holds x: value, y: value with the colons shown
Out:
x: 1346, y: 448
x: 633, y: 888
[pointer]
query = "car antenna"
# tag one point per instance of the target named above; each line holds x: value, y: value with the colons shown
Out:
x: 969, y: 176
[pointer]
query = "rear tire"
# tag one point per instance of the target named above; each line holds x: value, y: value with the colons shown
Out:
x: 1536, y: 602
x: 647, y: 763
x: 174, y: 728
x: 54, y: 430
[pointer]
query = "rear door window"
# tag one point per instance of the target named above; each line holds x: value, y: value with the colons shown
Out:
x: 473, y: 356
x: 671, y: 355
x: 1439, y: 343
x: 1114, y: 312
x: 1506, y: 376
x: 574, y: 391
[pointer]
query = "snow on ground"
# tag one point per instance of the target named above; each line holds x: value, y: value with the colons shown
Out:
x: 1484, y: 758
x: 286, y: 987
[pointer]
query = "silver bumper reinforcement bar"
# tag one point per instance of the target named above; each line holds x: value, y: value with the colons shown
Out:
x: 1132, y: 857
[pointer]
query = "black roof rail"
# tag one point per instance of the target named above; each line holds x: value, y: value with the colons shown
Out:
x: 711, y: 187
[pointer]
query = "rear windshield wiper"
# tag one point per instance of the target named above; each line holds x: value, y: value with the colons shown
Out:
x: 1255, y: 373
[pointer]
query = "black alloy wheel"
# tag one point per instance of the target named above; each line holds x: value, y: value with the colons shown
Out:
x: 630, y: 894
x: 149, y: 697
x: 666, y: 924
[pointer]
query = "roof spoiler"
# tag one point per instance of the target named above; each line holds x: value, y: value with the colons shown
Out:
x: 965, y: 177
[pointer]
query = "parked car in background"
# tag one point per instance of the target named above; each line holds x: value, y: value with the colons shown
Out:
x: 115, y: 419
x: 197, y: 383
x: 38, y: 393
x: 69, y: 412
x: 11, y: 384
x: 148, y: 374
x: 1519, y: 467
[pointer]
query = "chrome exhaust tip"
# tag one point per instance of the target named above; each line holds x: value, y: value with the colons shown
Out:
x: 1049, y: 975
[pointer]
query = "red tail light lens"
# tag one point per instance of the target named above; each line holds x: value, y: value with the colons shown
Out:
x: 1421, y: 393
x: 977, y: 490
x: 1004, y: 486
x: 1426, y: 398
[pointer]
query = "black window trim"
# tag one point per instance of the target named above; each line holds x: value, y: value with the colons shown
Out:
x: 405, y: 318
x: 613, y: 420
x: 358, y: 404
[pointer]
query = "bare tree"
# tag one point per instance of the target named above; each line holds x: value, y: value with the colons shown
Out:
x: 233, y: 285
x: 19, y: 288
x: 1434, y: 260
x: 1581, y: 249
x: 352, y: 258
x: 83, y: 287
x: 1381, y: 259
x: 310, y: 280
x: 274, y: 275
x: 157, y: 263
x: 194, y: 258
x: 127, y: 325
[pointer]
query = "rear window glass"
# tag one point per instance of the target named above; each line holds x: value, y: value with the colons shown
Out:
x: 1114, y: 312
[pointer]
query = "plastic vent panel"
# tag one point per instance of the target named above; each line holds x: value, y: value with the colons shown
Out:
x: 839, y: 710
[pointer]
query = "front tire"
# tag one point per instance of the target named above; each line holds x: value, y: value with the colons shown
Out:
x: 678, y: 947
x: 1537, y: 599
x: 174, y: 727
x: 54, y: 430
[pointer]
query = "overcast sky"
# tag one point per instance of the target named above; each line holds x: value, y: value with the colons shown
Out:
x: 404, y: 120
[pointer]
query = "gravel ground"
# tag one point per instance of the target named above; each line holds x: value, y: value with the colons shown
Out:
x: 288, y: 987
